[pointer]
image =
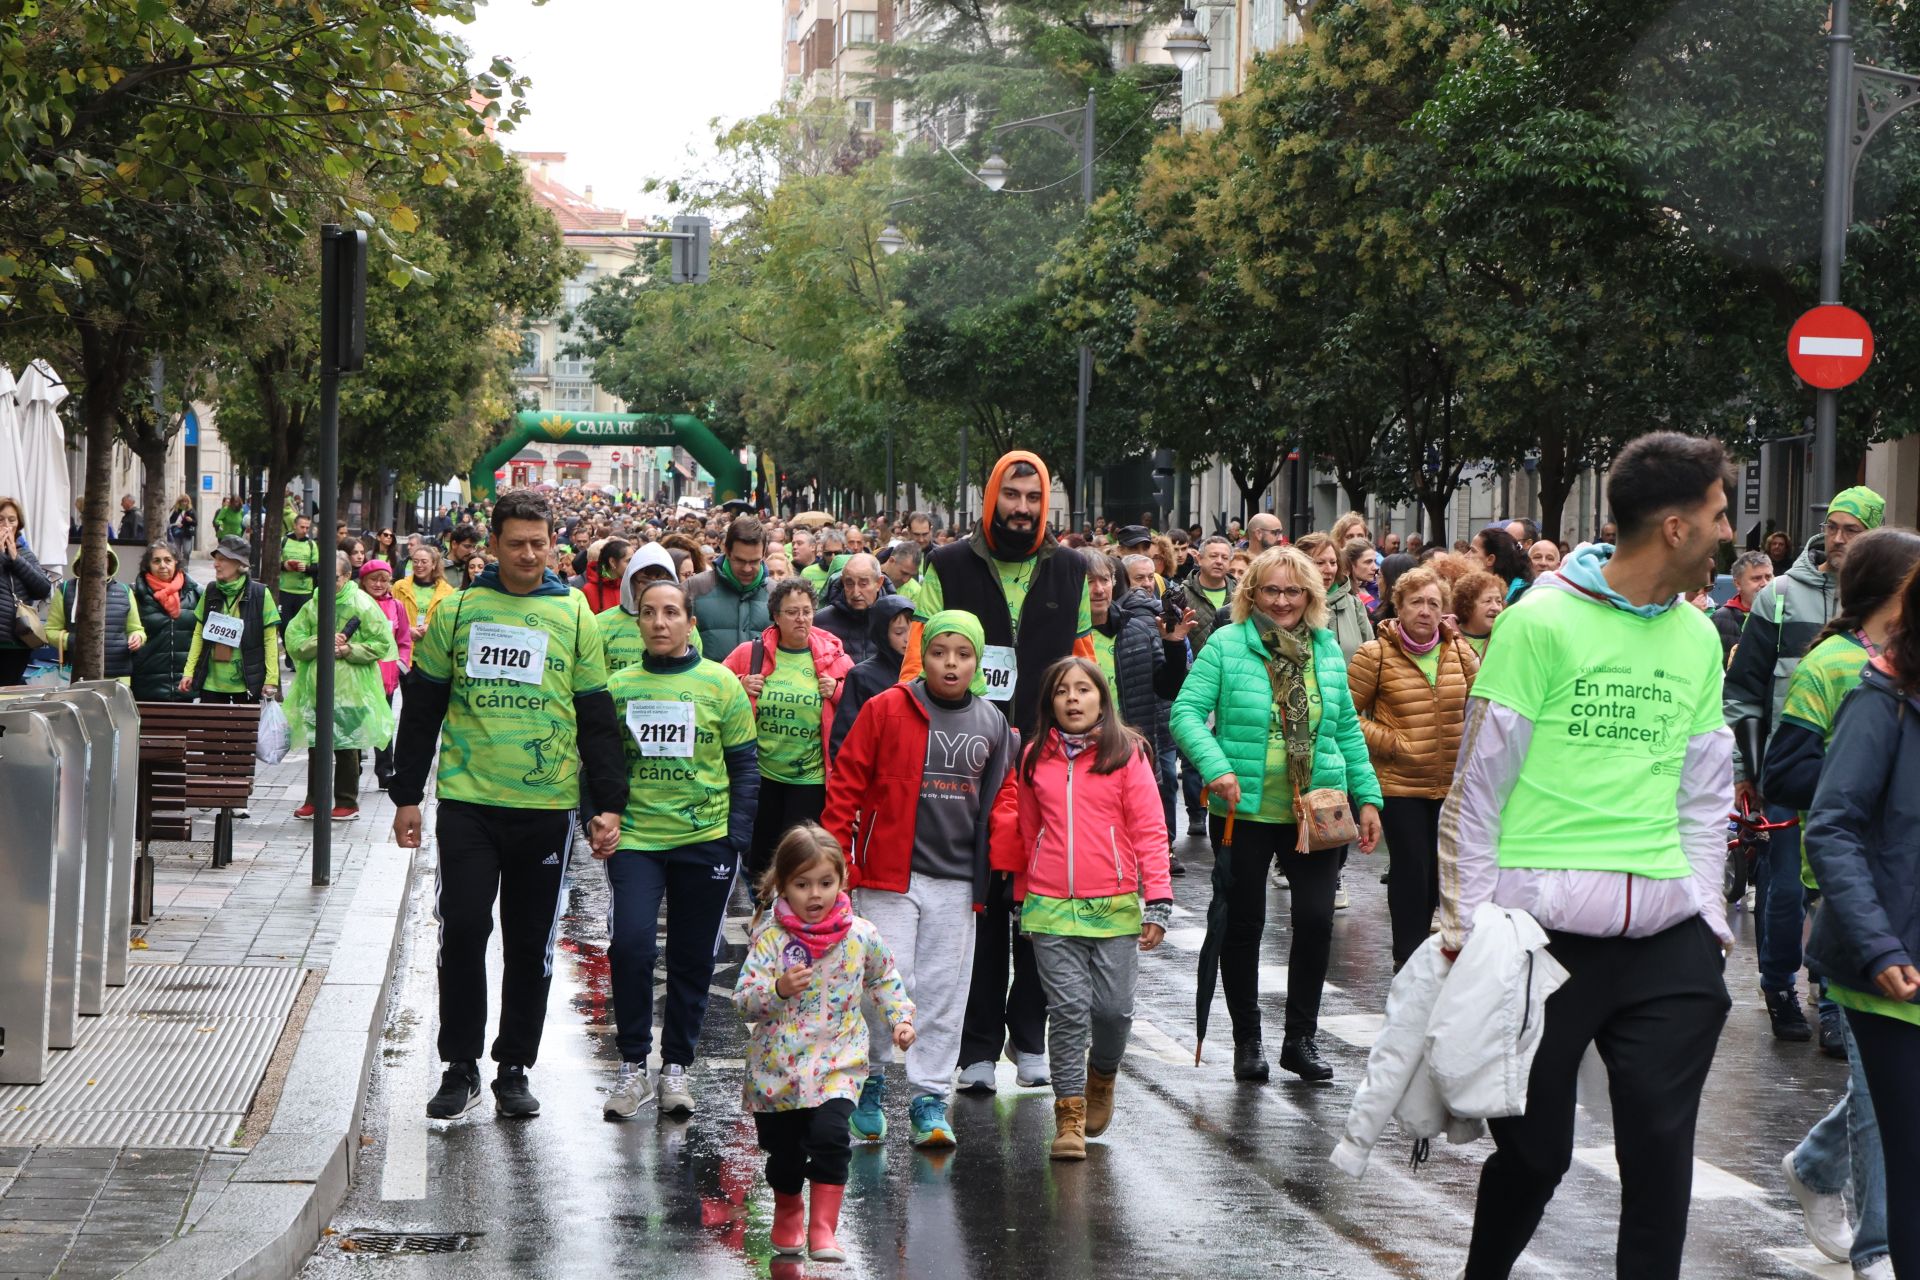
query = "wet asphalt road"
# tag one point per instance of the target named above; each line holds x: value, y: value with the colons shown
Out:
x: 1199, y: 1176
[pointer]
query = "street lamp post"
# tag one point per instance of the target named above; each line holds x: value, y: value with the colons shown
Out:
x: 1074, y: 126
x: 1854, y: 115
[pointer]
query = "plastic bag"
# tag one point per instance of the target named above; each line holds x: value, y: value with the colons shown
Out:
x: 274, y: 734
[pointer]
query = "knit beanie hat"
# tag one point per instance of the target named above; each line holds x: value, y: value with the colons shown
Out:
x: 959, y: 620
x: 1862, y: 503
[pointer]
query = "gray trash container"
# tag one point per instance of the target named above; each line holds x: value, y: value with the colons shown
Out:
x: 29, y: 880
x: 119, y: 769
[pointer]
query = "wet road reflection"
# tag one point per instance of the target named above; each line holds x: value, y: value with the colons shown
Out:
x: 1197, y: 1177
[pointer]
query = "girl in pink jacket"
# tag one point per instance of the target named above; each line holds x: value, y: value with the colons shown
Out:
x: 1090, y: 872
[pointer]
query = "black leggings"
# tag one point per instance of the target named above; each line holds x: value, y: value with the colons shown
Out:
x: 1411, y: 825
x: 809, y: 1145
x: 1890, y: 1055
x: 782, y: 806
x: 1256, y: 847
x: 13, y: 665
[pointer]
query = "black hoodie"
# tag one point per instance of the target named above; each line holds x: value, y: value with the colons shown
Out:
x: 873, y: 676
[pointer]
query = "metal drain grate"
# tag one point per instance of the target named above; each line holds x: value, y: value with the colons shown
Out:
x: 406, y: 1242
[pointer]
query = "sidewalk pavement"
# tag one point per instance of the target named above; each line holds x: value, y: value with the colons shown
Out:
x: 206, y: 1124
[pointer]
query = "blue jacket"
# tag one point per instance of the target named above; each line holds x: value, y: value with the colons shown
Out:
x: 1229, y: 681
x: 1863, y: 837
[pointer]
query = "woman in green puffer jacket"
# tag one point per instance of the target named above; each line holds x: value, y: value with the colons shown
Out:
x: 1275, y: 684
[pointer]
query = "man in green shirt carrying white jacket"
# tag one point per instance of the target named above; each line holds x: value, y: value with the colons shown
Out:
x: 1593, y: 784
x: 515, y: 669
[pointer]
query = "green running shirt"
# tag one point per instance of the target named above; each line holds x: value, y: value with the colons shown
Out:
x: 675, y: 800
x: 788, y: 717
x: 625, y: 646
x: 513, y: 743
x: 307, y: 552
x: 1614, y: 699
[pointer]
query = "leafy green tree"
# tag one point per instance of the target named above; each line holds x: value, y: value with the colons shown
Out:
x: 143, y: 138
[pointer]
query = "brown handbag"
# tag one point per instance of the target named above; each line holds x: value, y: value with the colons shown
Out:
x: 1326, y: 819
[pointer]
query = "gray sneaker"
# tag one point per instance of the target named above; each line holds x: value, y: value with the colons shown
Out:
x: 1030, y: 1069
x: 676, y: 1099
x: 630, y: 1092
x: 977, y: 1077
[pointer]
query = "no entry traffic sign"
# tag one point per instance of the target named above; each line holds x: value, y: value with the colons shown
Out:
x: 1830, y: 346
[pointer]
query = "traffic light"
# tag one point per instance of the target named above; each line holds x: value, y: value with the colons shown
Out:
x: 343, y: 299
x: 690, y: 256
x: 1163, y: 472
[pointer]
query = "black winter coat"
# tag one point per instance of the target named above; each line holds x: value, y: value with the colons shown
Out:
x: 1863, y: 837
x: 162, y: 660
x: 21, y: 580
x: 1148, y: 670
x: 869, y: 678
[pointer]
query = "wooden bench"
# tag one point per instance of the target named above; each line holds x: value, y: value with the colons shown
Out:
x: 195, y: 755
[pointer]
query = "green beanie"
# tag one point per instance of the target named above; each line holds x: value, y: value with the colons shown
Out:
x: 1862, y: 503
x: 959, y: 620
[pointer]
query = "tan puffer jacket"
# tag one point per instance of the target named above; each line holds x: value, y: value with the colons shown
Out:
x: 1412, y: 728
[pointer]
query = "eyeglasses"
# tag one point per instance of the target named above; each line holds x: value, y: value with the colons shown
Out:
x: 1280, y: 593
x: 1842, y: 530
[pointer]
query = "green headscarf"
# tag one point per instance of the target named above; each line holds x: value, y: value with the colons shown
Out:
x: 959, y: 620
x: 1862, y: 503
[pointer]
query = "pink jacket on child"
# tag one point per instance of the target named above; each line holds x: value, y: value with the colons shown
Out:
x: 1086, y: 835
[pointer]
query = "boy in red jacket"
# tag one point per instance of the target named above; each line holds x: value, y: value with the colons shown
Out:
x: 913, y: 795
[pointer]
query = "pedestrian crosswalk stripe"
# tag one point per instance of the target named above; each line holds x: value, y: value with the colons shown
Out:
x: 1710, y: 1182
x: 1156, y: 1043
x: 1810, y: 1260
x: 1358, y: 1029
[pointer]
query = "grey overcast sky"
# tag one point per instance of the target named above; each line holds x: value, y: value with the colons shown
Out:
x: 626, y: 87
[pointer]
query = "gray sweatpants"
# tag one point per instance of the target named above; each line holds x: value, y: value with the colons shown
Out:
x: 929, y: 929
x: 1089, y: 984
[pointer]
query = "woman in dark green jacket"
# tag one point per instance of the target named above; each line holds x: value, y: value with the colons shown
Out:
x: 166, y: 598
x: 1275, y: 684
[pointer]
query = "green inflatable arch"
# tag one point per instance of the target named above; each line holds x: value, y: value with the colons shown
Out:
x: 730, y: 477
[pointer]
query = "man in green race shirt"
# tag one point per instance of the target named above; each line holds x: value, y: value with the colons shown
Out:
x: 693, y: 785
x: 515, y: 669
x: 299, y: 553
x: 1594, y: 780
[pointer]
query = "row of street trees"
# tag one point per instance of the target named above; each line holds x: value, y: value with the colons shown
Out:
x: 1426, y: 237
x: 164, y: 170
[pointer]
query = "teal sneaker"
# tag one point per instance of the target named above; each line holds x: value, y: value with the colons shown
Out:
x: 869, y: 1122
x: 930, y: 1127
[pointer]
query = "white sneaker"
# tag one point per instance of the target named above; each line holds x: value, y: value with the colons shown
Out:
x: 676, y: 1099
x: 977, y: 1078
x: 1030, y: 1069
x: 630, y: 1092
x: 1881, y: 1268
x: 1826, y: 1215
x: 1340, y: 894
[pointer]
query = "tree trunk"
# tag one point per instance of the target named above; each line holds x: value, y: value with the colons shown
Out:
x: 153, y: 488
x: 1556, y: 479
x: 1435, y: 505
x: 106, y: 365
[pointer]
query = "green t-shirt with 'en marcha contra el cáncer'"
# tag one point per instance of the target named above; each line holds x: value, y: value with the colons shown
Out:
x: 511, y: 740
x: 1614, y: 699
x: 788, y: 716
x: 676, y: 799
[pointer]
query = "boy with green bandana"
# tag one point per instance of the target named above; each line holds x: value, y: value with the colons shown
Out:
x: 515, y: 671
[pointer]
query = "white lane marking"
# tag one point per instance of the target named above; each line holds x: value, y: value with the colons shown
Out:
x: 403, y: 1174
x: 1188, y: 939
x: 1182, y: 913
x: 1709, y: 1181
x: 1155, y: 1043
x: 1810, y: 1260
x: 734, y: 929
x: 1358, y: 1029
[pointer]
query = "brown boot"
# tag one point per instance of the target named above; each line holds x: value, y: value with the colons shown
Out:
x: 1070, y: 1129
x: 1099, y: 1102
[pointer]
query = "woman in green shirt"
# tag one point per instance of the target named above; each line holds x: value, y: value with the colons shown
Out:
x: 793, y: 675
x: 1274, y: 683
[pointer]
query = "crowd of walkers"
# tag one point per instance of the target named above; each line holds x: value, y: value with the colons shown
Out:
x: 943, y: 770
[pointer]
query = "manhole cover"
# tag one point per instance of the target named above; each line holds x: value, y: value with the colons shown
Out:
x: 406, y: 1242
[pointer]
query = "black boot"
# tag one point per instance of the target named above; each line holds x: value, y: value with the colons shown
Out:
x: 1249, y: 1061
x: 1300, y: 1055
x: 1788, y: 1018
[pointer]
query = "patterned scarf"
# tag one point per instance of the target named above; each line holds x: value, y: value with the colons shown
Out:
x: 1072, y: 744
x: 808, y: 942
x: 1289, y: 652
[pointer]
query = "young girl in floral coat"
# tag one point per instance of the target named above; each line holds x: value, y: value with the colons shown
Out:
x: 811, y: 962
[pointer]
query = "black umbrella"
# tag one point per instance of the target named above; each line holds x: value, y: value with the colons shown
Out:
x: 1216, y: 936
